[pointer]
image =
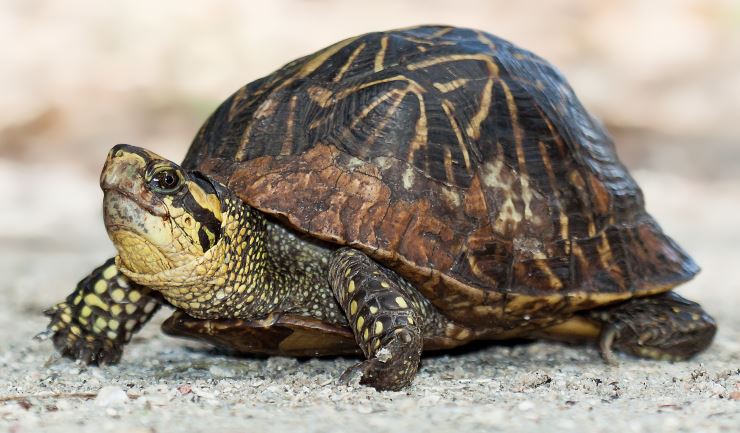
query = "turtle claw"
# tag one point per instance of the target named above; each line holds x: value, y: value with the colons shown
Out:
x: 375, y: 373
x: 73, y: 340
x: 43, y: 335
x: 354, y: 375
x: 606, y: 341
x: 87, y: 349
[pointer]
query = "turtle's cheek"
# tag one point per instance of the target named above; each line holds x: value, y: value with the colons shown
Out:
x: 139, y: 236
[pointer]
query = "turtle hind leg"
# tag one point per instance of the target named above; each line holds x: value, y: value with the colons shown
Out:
x: 664, y: 327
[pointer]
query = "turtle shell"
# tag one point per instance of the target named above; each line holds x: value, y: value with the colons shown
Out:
x: 459, y: 160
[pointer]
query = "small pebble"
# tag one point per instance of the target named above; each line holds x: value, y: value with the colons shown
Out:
x: 221, y: 371
x: 525, y: 406
x: 111, y: 396
x: 202, y: 393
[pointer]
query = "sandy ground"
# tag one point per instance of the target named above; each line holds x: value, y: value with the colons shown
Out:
x: 53, y: 235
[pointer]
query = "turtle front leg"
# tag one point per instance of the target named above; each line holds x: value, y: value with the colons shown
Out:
x: 385, y: 318
x: 100, y: 316
x: 665, y: 327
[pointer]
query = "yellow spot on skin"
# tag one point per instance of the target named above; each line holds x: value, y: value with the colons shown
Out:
x: 130, y: 308
x: 130, y: 324
x: 410, y: 320
x: 100, y: 286
x: 134, y: 296
x: 66, y: 318
x: 100, y: 323
x: 111, y: 335
x: 366, y: 335
x: 118, y: 295
x: 86, y: 311
x: 250, y: 298
x: 94, y: 301
x: 207, y: 201
x: 351, y: 287
x: 75, y: 330
x: 347, y: 272
x: 401, y: 302
x: 113, y: 324
x: 110, y: 272
x: 376, y: 344
x: 384, y: 284
x: 373, y: 310
x: 378, y: 328
x: 353, y: 307
x: 360, y: 322
x: 77, y: 299
x: 116, y: 310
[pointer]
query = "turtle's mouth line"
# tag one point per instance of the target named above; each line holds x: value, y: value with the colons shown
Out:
x: 112, y: 228
x: 148, y: 207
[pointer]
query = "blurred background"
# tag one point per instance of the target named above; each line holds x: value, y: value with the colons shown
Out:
x: 78, y: 77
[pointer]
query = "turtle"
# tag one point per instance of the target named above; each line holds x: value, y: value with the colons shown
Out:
x: 397, y: 192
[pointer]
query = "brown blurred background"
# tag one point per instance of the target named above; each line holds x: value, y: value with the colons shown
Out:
x: 80, y: 76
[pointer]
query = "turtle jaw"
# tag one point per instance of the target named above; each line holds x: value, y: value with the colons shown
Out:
x: 138, y: 235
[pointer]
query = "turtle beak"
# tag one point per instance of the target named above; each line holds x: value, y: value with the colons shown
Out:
x: 121, y: 169
x: 125, y: 165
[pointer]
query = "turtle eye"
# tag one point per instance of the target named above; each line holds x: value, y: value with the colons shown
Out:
x: 166, y: 180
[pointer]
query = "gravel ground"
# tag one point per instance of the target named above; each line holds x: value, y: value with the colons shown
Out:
x: 51, y: 236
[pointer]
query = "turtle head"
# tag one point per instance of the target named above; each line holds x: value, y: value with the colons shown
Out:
x: 158, y: 215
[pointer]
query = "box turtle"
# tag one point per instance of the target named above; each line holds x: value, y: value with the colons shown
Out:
x: 398, y: 191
